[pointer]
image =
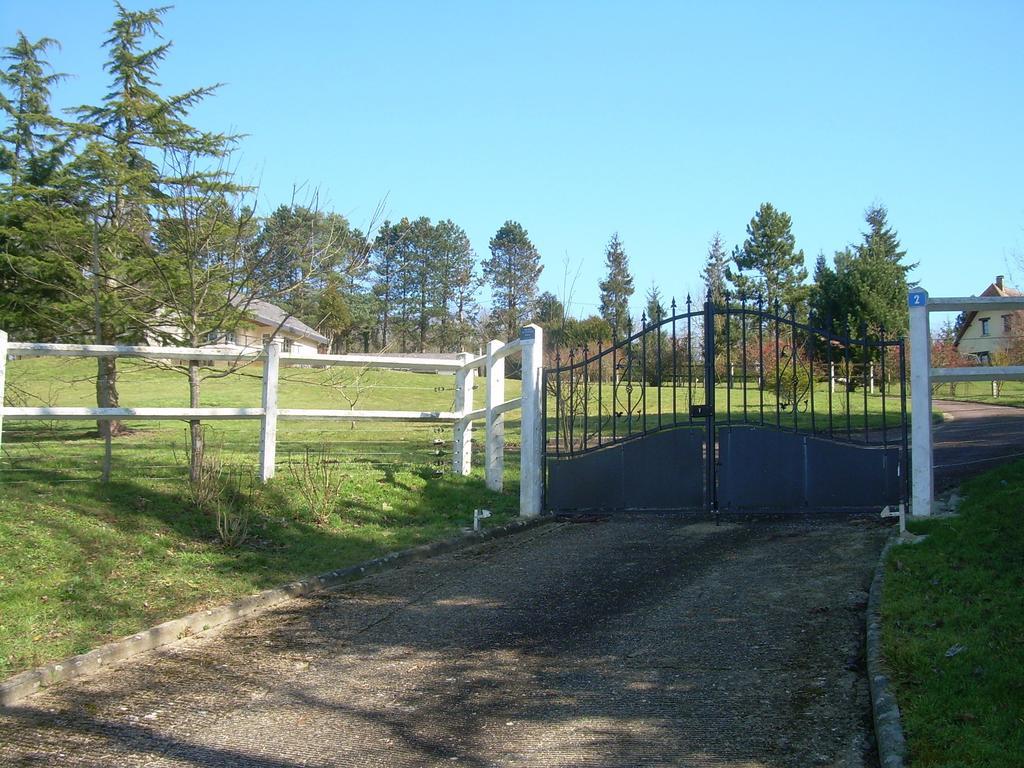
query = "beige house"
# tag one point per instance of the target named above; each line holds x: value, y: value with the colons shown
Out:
x: 985, y: 334
x: 265, y: 321
x: 269, y: 320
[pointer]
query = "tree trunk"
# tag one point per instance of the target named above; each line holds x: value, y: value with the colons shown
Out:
x: 195, y: 463
x: 106, y: 367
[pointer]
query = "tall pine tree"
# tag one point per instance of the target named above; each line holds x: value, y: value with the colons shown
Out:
x: 654, y: 308
x: 768, y: 264
x: 616, y: 289
x: 512, y: 270
x: 715, y: 267
x: 40, y: 266
x: 455, y: 286
x: 121, y: 176
x: 868, y: 285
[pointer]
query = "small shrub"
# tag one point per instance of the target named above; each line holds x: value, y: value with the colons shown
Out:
x: 319, y: 481
x: 205, y: 491
x: 218, y: 493
x: 233, y: 512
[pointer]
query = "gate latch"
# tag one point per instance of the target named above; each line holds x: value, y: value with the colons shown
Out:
x: 701, y: 411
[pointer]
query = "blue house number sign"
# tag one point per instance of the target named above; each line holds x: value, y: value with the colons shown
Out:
x: 917, y: 298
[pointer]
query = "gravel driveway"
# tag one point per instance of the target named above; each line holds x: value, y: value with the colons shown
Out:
x: 624, y: 642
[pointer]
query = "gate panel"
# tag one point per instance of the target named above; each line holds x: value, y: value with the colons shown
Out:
x: 664, y: 470
x: 660, y: 471
x: 762, y: 468
x: 591, y: 481
x: 848, y: 475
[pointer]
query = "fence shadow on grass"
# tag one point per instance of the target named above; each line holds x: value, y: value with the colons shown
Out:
x: 86, y: 562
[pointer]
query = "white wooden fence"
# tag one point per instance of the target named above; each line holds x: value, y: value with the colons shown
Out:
x: 529, y: 346
x: 922, y: 376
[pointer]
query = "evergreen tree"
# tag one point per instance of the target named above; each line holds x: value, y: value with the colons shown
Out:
x: 40, y: 266
x: 654, y: 308
x: 34, y: 143
x: 512, y: 271
x: 303, y: 248
x: 768, y: 264
x: 121, y: 178
x: 387, y: 259
x: 867, y: 285
x: 336, y: 319
x: 421, y: 281
x: 714, y: 270
x: 550, y: 311
x: 825, y: 299
x: 881, y: 283
x: 616, y: 289
x: 455, y: 284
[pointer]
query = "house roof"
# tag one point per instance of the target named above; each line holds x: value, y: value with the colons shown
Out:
x: 272, y: 315
x: 994, y: 289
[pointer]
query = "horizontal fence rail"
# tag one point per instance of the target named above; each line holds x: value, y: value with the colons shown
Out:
x: 464, y: 368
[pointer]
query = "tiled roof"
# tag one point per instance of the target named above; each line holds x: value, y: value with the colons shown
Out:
x: 272, y: 315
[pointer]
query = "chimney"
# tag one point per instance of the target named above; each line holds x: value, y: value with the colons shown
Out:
x: 999, y: 282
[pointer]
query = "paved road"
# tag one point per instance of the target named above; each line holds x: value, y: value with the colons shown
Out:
x: 978, y: 437
x: 635, y: 641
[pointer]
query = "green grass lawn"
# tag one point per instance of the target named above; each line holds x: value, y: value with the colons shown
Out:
x: 82, y: 562
x: 953, y: 618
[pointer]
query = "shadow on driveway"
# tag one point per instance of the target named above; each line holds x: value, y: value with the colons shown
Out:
x: 636, y: 640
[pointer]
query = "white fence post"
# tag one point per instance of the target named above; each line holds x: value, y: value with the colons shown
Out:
x: 268, y: 423
x: 832, y: 378
x: 462, y: 444
x: 921, y: 404
x: 494, y: 468
x: 3, y: 379
x: 531, y: 476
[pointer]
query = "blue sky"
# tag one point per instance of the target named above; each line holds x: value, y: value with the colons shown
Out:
x: 662, y: 121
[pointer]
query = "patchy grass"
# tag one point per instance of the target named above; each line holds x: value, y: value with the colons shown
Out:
x: 953, y: 617
x: 82, y: 562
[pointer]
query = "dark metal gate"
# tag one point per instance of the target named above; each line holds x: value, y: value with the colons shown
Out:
x: 727, y: 407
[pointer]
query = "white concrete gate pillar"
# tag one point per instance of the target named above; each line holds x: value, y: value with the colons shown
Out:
x: 922, y: 476
x: 531, y: 457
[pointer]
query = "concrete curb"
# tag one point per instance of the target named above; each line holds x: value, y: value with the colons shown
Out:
x: 16, y: 688
x: 885, y: 712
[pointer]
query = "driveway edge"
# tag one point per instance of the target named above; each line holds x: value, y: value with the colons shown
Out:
x: 885, y: 711
x: 18, y: 687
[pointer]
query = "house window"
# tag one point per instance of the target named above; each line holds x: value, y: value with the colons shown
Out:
x: 984, y: 326
x: 286, y: 345
x: 1006, y: 324
x: 220, y: 337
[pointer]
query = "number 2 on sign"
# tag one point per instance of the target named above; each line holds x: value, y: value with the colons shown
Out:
x: 917, y: 299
